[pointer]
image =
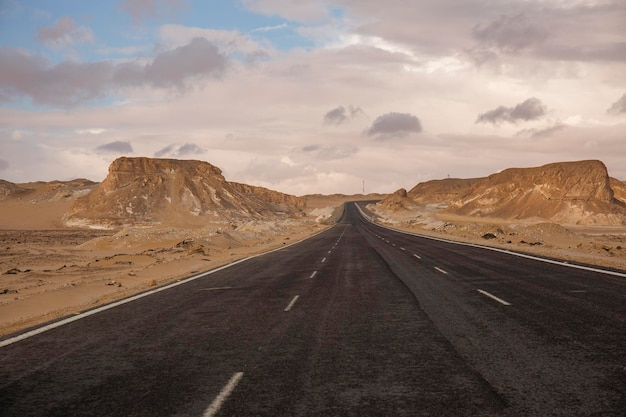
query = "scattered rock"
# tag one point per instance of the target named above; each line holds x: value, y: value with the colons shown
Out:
x: 489, y: 236
x: 8, y: 291
x: 13, y: 271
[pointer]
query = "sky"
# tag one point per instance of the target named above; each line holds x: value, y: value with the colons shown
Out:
x: 322, y: 96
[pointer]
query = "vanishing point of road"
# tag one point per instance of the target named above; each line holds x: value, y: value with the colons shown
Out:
x: 358, y: 320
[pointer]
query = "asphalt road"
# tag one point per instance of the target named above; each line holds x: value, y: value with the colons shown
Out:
x: 356, y: 321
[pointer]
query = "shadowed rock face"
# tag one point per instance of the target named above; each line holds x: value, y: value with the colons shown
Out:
x: 175, y: 192
x: 619, y: 190
x: 567, y: 192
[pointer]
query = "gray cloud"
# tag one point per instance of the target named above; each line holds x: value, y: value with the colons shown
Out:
x: 550, y: 30
x: 190, y: 149
x: 64, y: 32
x: 198, y: 58
x: 542, y: 133
x: 116, y: 147
x: 619, y: 107
x: 394, y: 124
x: 70, y: 83
x: 179, y: 150
x: 340, y: 115
x: 140, y: 10
x: 510, y: 33
x: 174, y: 68
x: 168, y: 150
x: 326, y: 152
x: 531, y: 109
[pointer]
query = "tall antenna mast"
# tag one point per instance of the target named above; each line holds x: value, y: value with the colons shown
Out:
x: 363, y: 187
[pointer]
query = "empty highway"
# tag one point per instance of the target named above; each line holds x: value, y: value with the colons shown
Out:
x: 356, y: 321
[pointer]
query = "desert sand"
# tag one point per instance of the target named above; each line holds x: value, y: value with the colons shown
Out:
x: 603, y: 246
x: 46, y: 274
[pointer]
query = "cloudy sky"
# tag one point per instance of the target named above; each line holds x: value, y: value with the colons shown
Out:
x: 315, y: 96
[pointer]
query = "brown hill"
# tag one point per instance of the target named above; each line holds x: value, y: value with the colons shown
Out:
x: 397, y: 201
x: 148, y: 191
x: 567, y: 192
x: 39, y: 205
x: 9, y: 189
x: 440, y: 191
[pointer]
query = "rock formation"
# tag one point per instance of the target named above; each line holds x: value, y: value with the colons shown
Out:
x: 440, y: 191
x: 566, y: 192
x: 149, y: 191
x: 619, y: 190
x: 9, y: 189
x: 398, y: 201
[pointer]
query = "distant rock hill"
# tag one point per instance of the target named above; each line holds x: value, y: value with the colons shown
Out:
x: 567, y: 192
x: 148, y: 191
x: 45, y: 191
x: 39, y: 205
x: 440, y: 191
x: 398, y: 201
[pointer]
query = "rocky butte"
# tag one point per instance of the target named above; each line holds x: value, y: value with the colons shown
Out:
x: 565, y: 192
x: 183, y: 193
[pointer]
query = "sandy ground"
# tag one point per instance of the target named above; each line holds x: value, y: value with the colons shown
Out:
x: 595, y: 245
x: 46, y: 274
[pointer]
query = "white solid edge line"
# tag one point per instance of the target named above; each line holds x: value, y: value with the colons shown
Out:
x: 292, y: 303
x: 118, y: 303
x: 506, y: 251
x: 313, y: 274
x: 493, y: 297
x: 223, y: 395
x: 441, y: 270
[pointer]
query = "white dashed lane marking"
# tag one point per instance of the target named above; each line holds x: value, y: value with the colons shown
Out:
x: 292, y: 303
x: 493, y: 297
x: 215, y: 406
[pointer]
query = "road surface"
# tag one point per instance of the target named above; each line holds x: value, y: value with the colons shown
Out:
x: 356, y: 321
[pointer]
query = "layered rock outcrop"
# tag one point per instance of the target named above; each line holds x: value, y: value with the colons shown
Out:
x: 565, y: 192
x: 148, y: 191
